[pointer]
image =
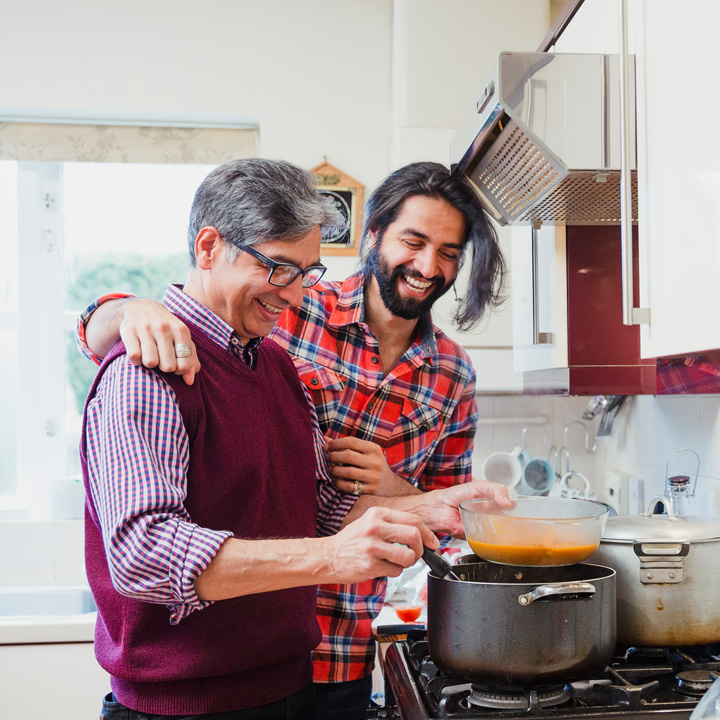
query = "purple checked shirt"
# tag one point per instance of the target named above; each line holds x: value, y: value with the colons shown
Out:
x: 137, y: 454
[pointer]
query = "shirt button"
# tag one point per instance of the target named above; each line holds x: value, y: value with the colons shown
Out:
x: 370, y: 406
x: 314, y: 381
x: 374, y: 360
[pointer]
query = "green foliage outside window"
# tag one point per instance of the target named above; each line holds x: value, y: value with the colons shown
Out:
x: 141, y: 275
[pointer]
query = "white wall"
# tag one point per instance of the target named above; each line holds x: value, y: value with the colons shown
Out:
x: 646, y: 433
x: 650, y: 429
x: 314, y: 74
x: 370, y: 85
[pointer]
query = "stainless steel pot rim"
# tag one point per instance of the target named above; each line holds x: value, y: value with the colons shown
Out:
x: 647, y: 528
x: 657, y: 540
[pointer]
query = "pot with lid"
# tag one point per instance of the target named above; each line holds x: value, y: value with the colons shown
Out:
x: 668, y: 572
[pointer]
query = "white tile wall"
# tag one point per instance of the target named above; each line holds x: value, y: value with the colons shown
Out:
x: 646, y: 432
x: 651, y: 429
x: 502, y: 419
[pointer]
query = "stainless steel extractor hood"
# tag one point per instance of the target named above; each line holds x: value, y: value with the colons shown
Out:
x: 543, y: 141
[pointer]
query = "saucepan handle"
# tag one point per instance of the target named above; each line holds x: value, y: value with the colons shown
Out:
x: 567, y: 591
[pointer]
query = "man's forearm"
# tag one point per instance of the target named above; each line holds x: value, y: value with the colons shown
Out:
x: 407, y: 503
x: 103, y: 327
x: 246, y: 567
x: 383, y: 542
x: 438, y: 509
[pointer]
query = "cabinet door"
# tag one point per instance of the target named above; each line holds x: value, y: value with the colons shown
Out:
x: 540, y: 306
x: 677, y: 61
x: 60, y: 680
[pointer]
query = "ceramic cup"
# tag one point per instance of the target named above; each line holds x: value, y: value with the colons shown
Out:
x: 504, y: 467
x: 538, y: 477
x: 564, y: 489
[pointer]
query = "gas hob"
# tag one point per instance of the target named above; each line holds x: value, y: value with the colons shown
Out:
x: 639, y: 684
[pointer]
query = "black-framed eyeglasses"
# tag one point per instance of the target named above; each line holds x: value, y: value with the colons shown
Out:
x: 282, y: 274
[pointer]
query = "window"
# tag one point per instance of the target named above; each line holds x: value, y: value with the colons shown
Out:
x: 70, y: 231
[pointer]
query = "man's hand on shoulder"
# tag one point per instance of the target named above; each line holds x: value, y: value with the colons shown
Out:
x: 152, y: 336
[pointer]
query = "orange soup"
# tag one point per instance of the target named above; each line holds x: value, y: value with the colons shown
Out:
x: 532, y: 555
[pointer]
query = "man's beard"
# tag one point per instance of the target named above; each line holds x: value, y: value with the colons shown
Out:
x: 406, y: 308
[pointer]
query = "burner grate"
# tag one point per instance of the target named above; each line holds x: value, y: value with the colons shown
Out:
x: 514, y: 699
x: 640, y: 684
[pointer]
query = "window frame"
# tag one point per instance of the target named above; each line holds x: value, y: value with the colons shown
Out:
x: 40, y: 320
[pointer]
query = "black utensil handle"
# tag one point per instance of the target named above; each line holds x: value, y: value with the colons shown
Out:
x: 438, y: 564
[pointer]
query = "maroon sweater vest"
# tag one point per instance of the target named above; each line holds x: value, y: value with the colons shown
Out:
x: 252, y: 471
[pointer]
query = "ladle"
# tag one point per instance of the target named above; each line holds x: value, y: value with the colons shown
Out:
x: 438, y: 564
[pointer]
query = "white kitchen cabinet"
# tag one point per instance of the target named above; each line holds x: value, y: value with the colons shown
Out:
x: 540, y: 304
x: 58, y: 680
x: 569, y: 335
x: 677, y: 59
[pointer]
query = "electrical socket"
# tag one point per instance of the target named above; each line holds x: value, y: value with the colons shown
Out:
x: 624, y: 492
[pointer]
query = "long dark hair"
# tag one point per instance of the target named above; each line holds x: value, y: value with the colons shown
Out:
x: 433, y: 180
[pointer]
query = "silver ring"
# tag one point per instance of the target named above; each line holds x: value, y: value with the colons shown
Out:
x: 358, y: 488
x: 182, y: 350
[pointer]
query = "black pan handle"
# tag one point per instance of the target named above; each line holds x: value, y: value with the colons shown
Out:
x: 438, y: 564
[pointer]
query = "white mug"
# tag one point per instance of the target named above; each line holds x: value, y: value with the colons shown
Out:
x: 504, y: 467
x: 563, y: 489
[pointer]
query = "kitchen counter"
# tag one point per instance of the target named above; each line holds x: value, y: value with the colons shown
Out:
x: 31, y: 614
x: 27, y: 629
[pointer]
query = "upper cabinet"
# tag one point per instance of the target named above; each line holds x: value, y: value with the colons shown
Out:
x: 567, y: 314
x: 677, y: 58
x: 677, y: 63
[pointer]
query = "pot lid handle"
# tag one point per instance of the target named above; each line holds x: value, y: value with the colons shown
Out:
x: 661, y: 500
x: 560, y: 591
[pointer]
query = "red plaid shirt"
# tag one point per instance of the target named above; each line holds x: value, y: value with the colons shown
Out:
x: 423, y: 414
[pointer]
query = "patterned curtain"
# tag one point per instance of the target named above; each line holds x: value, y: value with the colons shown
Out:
x: 51, y: 142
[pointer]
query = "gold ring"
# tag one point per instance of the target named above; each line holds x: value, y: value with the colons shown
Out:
x: 358, y: 488
x: 182, y: 350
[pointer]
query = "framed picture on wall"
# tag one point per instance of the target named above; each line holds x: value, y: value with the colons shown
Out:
x: 348, y: 196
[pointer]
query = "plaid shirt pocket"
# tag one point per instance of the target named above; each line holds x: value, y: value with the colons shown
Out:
x: 326, y: 387
x: 417, y: 430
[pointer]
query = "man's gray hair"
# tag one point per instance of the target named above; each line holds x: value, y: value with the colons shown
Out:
x: 255, y: 199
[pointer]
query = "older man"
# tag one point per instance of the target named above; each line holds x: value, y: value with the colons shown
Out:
x: 202, y: 498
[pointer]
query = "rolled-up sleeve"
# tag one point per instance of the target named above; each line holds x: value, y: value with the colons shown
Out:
x: 137, y: 454
x: 83, y: 320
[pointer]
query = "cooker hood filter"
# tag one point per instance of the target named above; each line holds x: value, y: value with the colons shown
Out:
x: 543, y: 144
